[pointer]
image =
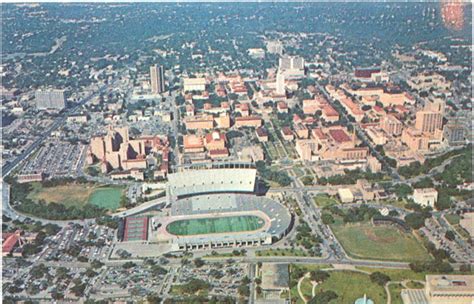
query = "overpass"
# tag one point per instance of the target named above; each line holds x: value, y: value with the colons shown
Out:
x: 147, y: 206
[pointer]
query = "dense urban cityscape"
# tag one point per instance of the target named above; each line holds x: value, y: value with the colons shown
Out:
x: 237, y: 153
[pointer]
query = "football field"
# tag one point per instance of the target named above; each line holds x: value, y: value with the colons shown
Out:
x: 215, y: 225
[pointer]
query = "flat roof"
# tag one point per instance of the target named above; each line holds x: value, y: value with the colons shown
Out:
x: 339, y: 135
x: 275, y: 276
x: 451, y: 283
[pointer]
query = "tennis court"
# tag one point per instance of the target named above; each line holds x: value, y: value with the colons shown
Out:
x: 215, y: 225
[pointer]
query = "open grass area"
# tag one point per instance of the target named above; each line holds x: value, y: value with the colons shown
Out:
x: 223, y: 255
x: 396, y: 274
x: 349, y: 286
x: 415, y: 285
x: 453, y: 219
x: 78, y: 195
x: 106, y: 197
x: 281, y: 252
x: 323, y: 200
x: 68, y: 195
x: 393, y: 202
x: 298, y: 171
x: 402, y: 274
x: 395, y: 293
x: 367, y: 241
x: 302, y: 268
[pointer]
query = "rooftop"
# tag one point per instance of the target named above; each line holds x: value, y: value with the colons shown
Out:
x: 275, y: 276
x: 339, y: 135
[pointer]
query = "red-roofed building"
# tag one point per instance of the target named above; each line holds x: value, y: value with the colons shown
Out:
x: 193, y: 143
x: 378, y: 109
x: 352, y: 108
x: 282, y: 107
x: 339, y: 135
x: 10, y: 241
x: 262, y: 134
x: 329, y: 114
x: 249, y: 121
x: 297, y: 119
x: 287, y: 134
x: 219, y: 153
x: 215, y: 141
x: 243, y: 109
x: 319, y: 134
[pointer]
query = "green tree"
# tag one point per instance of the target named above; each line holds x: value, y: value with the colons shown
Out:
x: 198, y: 262
x: 450, y: 235
x: 379, y: 278
x: 319, y: 276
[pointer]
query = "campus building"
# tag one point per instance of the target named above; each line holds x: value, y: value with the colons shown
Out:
x: 117, y: 151
x: 425, y: 197
x: 442, y: 289
x: 194, y: 84
x: 157, y: 79
x: 292, y: 67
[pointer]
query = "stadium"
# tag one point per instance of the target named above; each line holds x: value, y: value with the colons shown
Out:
x: 216, y: 206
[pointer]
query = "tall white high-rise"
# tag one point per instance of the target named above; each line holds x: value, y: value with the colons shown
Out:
x: 292, y: 66
x: 280, y: 83
x: 157, y: 79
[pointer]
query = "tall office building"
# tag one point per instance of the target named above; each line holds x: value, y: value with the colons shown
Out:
x: 292, y: 67
x: 280, y: 84
x: 157, y: 79
x: 430, y: 119
x: 50, y: 99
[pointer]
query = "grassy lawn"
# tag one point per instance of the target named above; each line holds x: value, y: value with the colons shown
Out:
x: 222, y: 255
x: 402, y: 274
x: 395, y: 290
x: 307, y: 288
x: 75, y: 194
x: 396, y: 274
x: 366, y: 241
x: 281, y: 252
x: 393, y: 202
x: 304, y: 268
x: 298, y: 171
x: 280, y: 150
x: 68, y: 195
x: 324, y: 200
x: 453, y: 219
x: 106, y: 197
x: 415, y: 285
x: 349, y: 286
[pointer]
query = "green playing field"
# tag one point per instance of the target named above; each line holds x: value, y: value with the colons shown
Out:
x: 215, y: 225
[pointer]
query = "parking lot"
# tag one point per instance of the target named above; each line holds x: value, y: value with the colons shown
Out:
x: 57, y: 159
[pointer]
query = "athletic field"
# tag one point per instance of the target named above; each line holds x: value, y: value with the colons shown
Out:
x: 365, y: 241
x: 106, y: 197
x: 215, y: 225
x: 78, y: 195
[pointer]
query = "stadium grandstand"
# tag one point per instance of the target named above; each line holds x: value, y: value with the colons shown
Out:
x: 216, y: 178
x: 214, y: 206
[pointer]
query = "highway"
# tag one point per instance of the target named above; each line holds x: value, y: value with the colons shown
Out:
x: 142, y: 207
